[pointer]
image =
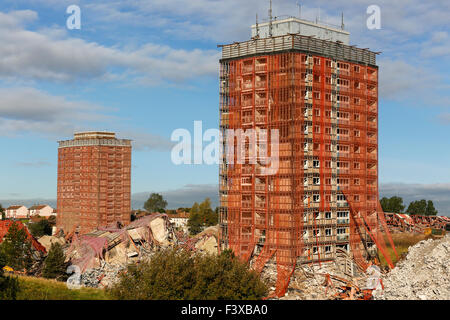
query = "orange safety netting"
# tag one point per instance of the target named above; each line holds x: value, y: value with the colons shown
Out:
x: 325, y: 113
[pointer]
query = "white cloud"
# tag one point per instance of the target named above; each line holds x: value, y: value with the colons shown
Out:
x: 404, y: 25
x: 438, y: 45
x: 400, y: 80
x: 54, y: 56
x: 28, y: 110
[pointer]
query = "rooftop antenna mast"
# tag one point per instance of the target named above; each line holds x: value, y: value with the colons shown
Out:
x: 342, y: 21
x: 270, y: 19
x: 257, y: 26
x: 299, y: 10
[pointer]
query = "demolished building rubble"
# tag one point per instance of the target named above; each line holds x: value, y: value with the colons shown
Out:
x: 103, y: 254
x: 423, y: 275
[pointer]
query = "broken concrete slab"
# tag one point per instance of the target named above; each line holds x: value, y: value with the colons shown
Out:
x: 207, y: 244
x: 159, y: 230
x: 47, y: 241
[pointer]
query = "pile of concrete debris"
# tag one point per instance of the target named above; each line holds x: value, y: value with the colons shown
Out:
x: 340, y: 279
x: 103, y: 254
x: 104, y: 276
x: 423, y: 275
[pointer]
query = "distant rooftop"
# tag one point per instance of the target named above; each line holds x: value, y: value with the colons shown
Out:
x: 98, y: 138
x: 94, y: 135
x: 294, y: 25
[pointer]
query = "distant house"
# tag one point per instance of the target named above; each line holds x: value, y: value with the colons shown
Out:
x: 179, y: 220
x: 42, y: 210
x: 16, y: 212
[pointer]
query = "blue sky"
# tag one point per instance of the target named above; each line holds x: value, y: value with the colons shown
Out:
x: 146, y: 68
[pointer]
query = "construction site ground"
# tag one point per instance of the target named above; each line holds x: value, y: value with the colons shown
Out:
x: 421, y: 273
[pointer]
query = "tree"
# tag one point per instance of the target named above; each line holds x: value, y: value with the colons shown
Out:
x: 54, y: 265
x: 16, y: 248
x: 155, y: 203
x: 417, y: 207
x: 201, y: 216
x: 2, y: 212
x: 52, y: 220
x: 430, y: 211
x: 9, y: 286
x: 210, y: 218
x: 195, y: 220
x: 392, y: 204
x: 176, y: 274
x: 40, y: 228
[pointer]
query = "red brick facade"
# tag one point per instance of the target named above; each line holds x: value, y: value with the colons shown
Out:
x: 94, y: 182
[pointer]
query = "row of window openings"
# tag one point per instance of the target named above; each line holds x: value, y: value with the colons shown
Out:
x: 305, y: 59
x: 327, y: 249
x: 340, y: 198
x: 330, y: 63
x: 329, y: 198
x: 329, y: 97
x: 328, y: 215
x: 329, y: 164
x: 331, y: 81
x: 328, y: 232
x: 328, y: 147
x: 329, y: 114
x: 330, y: 181
x: 339, y: 131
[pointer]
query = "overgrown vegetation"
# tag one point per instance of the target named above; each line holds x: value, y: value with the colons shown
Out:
x: 32, y: 288
x: 201, y: 216
x: 9, y: 286
x: 402, y: 242
x: 175, y: 274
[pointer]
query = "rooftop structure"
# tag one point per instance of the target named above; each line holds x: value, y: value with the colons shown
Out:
x: 294, y: 25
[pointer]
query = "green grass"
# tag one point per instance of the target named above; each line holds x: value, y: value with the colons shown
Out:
x: 32, y: 288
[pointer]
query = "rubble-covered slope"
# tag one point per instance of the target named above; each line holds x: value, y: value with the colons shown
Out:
x: 423, y: 275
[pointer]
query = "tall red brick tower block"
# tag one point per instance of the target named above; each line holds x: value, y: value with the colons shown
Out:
x: 94, y: 181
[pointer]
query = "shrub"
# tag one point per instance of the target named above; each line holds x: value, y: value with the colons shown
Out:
x: 176, y: 274
x: 9, y: 286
